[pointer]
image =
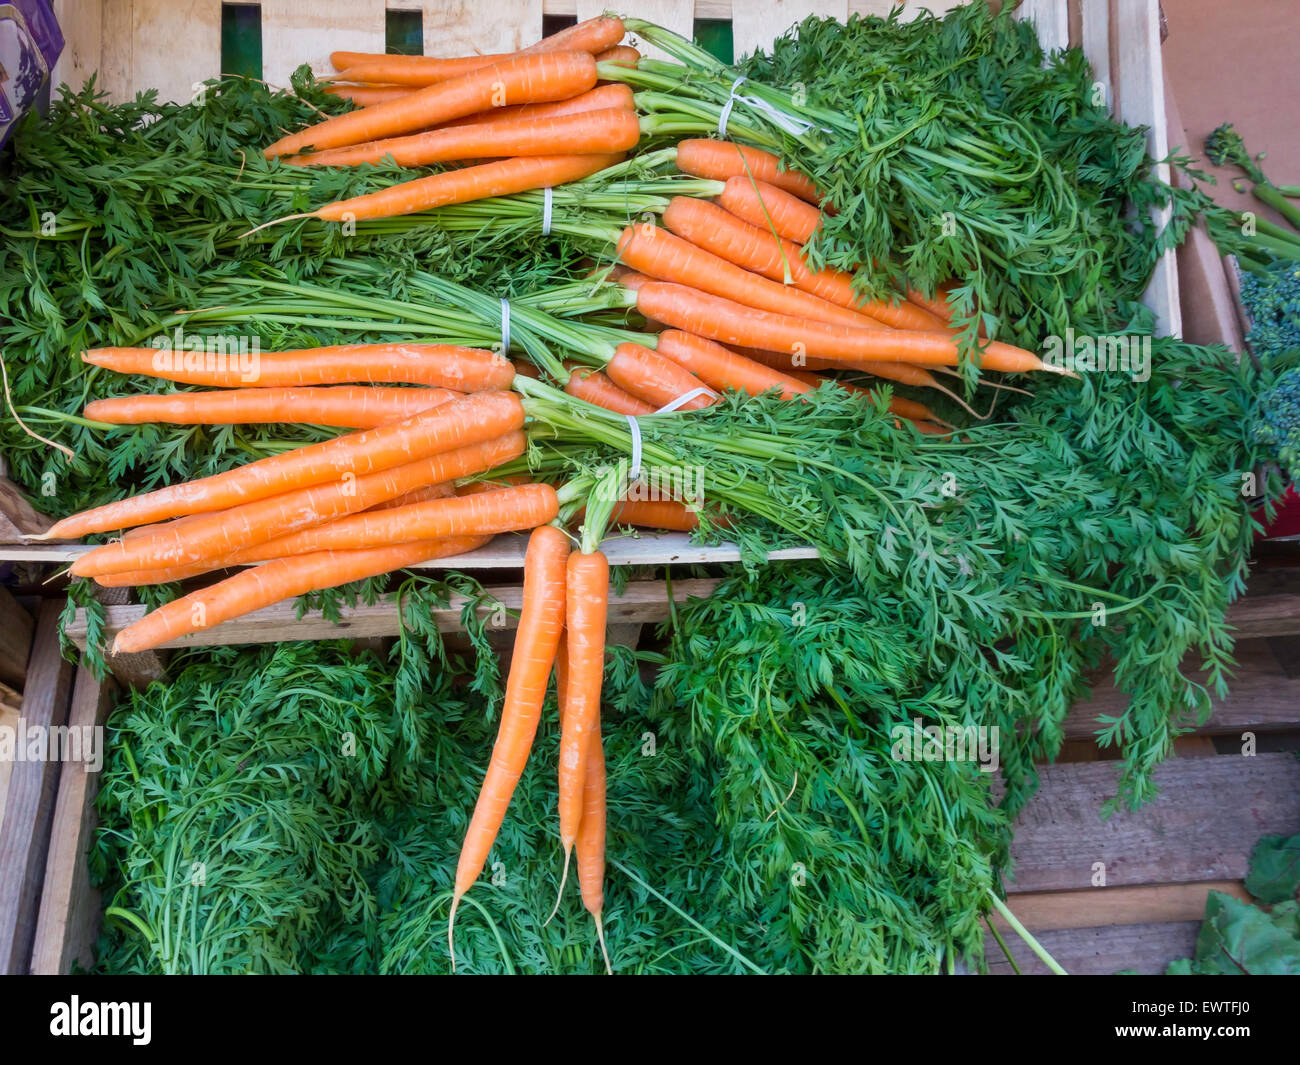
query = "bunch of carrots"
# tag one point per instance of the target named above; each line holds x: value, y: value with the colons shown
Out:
x: 424, y: 468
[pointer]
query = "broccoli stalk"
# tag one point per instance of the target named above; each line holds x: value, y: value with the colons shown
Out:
x: 1225, y: 147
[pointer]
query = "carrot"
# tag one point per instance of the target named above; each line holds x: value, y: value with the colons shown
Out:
x: 756, y: 249
x: 591, y: 35
x: 594, y: 387
x: 227, y: 532
x: 407, y: 70
x: 622, y: 56
x: 598, y: 99
x: 652, y: 378
x: 499, y: 178
x: 938, y: 304
x: 907, y: 408
x: 770, y: 208
x: 282, y: 579
x: 541, y: 621
x: 351, y: 406
x: 731, y: 323
x: 614, y: 129
x: 586, y: 601
x: 663, y: 255
x: 435, y: 365
x: 655, y: 514
x: 368, y: 95
x: 590, y: 844
x: 720, y: 160
x: 469, y: 420
x: 721, y: 368
x: 522, y: 79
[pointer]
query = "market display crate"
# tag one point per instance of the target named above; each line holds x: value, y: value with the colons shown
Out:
x: 1159, y: 862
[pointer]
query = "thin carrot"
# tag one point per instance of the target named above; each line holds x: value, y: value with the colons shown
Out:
x: 541, y: 622
x: 586, y: 601
x: 282, y: 579
x: 614, y: 129
x: 907, y: 408
x: 731, y: 323
x: 655, y: 514
x: 598, y: 99
x: 522, y: 79
x: 594, y: 387
x: 720, y: 160
x: 407, y: 70
x: 590, y: 844
x: 499, y: 178
x: 368, y: 95
x: 768, y: 207
x: 938, y: 304
x: 591, y: 35
x: 661, y: 254
x: 228, y: 532
x: 721, y: 368
x: 756, y: 249
x: 350, y: 406
x: 654, y: 379
x: 469, y: 420
x: 435, y: 365
x: 622, y: 56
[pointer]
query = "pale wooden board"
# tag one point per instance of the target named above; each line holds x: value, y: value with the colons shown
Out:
x: 470, y: 27
x: 15, y: 639
x: 1051, y: 21
x: 174, y: 45
x: 504, y: 552
x: 68, y: 921
x: 640, y: 602
x: 1202, y: 825
x: 1261, y: 698
x: 1050, y: 911
x: 82, y: 24
x: 29, y: 804
x: 1095, y: 41
x: 756, y: 25
x: 675, y: 15
x: 306, y: 31
x: 1144, y: 948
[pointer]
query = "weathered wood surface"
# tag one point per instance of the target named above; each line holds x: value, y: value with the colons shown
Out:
x: 1142, y: 948
x: 15, y: 640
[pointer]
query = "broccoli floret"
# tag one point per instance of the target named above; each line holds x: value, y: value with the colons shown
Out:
x: 1277, y: 421
x: 1272, y: 296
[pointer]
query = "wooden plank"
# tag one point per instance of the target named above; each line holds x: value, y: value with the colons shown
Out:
x: 306, y: 31
x: 1262, y: 697
x: 1201, y: 826
x: 29, y: 805
x: 1143, y: 948
x: 755, y: 26
x: 116, y: 42
x: 507, y: 552
x: 1095, y: 41
x: 467, y: 27
x: 1051, y: 21
x: 175, y: 45
x: 68, y: 920
x: 675, y: 15
x: 142, y: 668
x: 9, y: 716
x: 1140, y: 101
x: 15, y: 640
x: 1051, y: 911
x: 82, y: 23
x: 641, y: 602
x: 18, y: 518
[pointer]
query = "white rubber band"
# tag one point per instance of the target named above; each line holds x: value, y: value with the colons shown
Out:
x: 505, y: 327
x: 725, y: 117
x: 634, y: 467
x: 683, y: 399
x: 547, y: 200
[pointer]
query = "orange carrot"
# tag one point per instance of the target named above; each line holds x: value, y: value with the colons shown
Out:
x: 282, y: 579
x: 902, y: 372
x: 469, y: 420
x: 770, y: 208
x: 522, y: 79
x: 622, y: 56
x: 499, y: 178
x: 663, y: 255
x: 597, y: 99
x: 907, y: 408
x: 614, y: 129
x: 369, y: 95
x: 591, y: 35
x: 720, y: 160
x: 721, y: 368
x: 756, y: 249
x: 732, y: 323
x: 654, y: 379
x: 655, y: 514
x: 586, y: 601
x: 226, y: 533
x: 541, y: 621
x: 435, y: 365
x: 938, y: 305
x: 350, y: 406
x: 594, y: 387
x: 407, y: 70
x: 590, y: 844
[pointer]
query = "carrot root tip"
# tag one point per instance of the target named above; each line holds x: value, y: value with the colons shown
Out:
x: 564, y: 876
x: 451, y: 925
x: 600, y: 936
x: 276, y: 222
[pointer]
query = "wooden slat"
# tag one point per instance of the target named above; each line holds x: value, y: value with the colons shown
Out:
x: 1095, y: 41
x: 174, y: 45
x: 675, y: 15
x: 757, y: 25
x: 15, y: 640
x: 306, y: 31
x: 464, y: 27
x: 68, y: 920
x: 29, y: 806
x: 81, y: 22
x: 9, y: 716
x: 1143, y: 948
x: 1051, y: 21
x: 641, y: 602
x: 1201, y: 826
x: 1051, y: 911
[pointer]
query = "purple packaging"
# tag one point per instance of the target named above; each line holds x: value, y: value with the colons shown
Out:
x: 30, y: 42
